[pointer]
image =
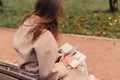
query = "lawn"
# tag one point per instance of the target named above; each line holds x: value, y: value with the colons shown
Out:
x: 84, y: 17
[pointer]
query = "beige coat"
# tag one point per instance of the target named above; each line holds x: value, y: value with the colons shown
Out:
x: 38, y: 59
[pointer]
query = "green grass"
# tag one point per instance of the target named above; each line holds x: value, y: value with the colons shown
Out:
x: 12, y: 12
x: 85, y: 17
x: 90, y: 17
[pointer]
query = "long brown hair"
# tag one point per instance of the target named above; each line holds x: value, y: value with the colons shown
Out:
x: 48, y: 11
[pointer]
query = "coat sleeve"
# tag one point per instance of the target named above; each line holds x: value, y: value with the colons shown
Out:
x: 46, y: 53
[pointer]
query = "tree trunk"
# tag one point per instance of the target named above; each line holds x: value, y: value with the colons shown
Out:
x: 1, y: 3
x: 113, y: 5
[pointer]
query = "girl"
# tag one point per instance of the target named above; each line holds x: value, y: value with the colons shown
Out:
x: 36, y: 44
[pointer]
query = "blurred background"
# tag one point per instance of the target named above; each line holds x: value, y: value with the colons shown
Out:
x: 85, y: 17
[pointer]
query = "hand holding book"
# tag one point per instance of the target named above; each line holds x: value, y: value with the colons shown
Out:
x: 67, y: 59
x: 70, y: 56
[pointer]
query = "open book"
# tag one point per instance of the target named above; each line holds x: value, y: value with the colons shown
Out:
x: 78, y: 57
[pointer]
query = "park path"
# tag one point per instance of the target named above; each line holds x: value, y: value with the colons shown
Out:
x: 103, y: 54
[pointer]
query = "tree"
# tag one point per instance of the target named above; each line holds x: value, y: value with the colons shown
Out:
x: 1, y: 3
x: 113, y: 5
